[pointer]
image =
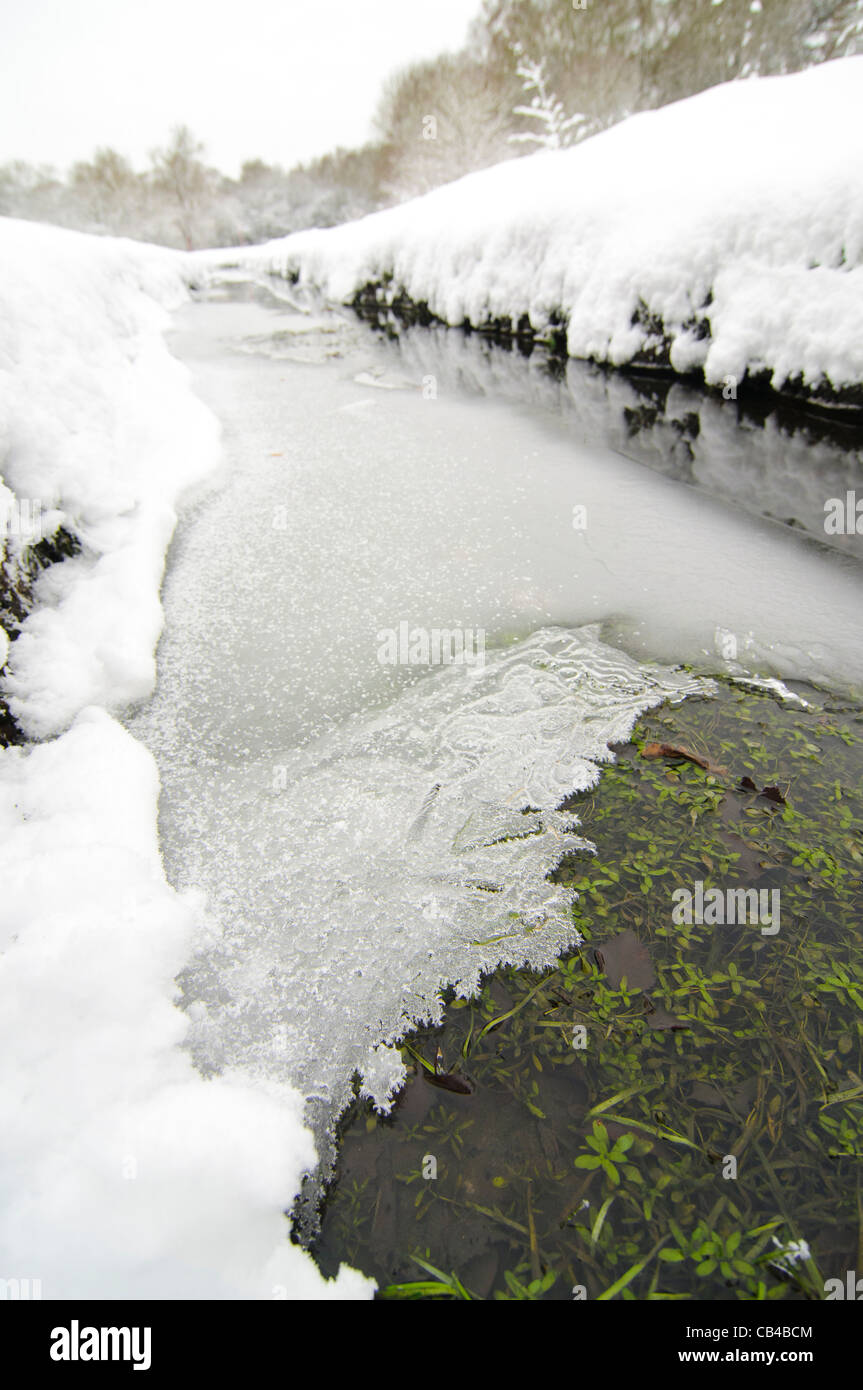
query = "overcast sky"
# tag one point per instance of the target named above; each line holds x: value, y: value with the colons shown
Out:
x: 280, y: 80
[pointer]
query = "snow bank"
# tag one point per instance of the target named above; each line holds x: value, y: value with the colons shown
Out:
x: 725, y: 231
x: 99, y: 429
x: 123, y: 1172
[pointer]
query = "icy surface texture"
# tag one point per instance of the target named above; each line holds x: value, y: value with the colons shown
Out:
x: 365, y: 833
x: 408, y: 848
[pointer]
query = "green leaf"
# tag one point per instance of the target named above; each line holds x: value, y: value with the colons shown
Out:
x: 600, y: 1219
x: 631, y: 1273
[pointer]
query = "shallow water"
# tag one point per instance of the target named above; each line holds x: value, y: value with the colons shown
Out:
x: 366, y: 831
x: 763, y: 1065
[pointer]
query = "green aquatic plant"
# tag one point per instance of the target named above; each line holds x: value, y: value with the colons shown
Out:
x: 611, y: 1158
x: 609, y: 1151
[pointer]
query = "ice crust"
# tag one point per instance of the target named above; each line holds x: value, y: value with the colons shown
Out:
x: 674, y: 428
x: 406, y: 850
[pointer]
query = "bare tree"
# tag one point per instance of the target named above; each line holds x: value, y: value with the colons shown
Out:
x: 441, y: 119
x: 109, y: 190
x: 181, y: 176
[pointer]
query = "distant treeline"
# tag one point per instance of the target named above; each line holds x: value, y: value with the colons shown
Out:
x: 534, y: 73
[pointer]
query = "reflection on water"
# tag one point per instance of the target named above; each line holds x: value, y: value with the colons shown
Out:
x: 769, y: 459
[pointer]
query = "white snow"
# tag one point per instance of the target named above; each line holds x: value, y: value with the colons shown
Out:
x: 750, y: 192
x: 98, y: 424
x: 123, y: 1172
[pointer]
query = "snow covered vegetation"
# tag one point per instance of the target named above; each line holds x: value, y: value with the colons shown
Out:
x: 123, y: 1171
x: 721, y: 235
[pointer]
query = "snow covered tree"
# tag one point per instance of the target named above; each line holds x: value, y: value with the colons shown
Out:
x: 555, y: 129
x: 616, y: 57
x: 34, y: 192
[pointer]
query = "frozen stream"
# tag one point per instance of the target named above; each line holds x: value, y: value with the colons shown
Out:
x: 364, y: 831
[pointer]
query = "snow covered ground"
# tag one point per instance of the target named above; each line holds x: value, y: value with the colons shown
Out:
x: 122, y: 1171
x: 729, y: 225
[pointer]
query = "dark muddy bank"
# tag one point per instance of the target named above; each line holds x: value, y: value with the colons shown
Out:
x: 382, y: 302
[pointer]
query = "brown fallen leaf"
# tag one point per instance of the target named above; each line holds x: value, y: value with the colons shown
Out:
x: 707, y: 1095
x: 448, y: 1081
x: 625, y: 956
x: 771, y: 793
x: 671, y: 750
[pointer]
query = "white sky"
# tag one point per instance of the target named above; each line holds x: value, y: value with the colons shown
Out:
x: 280, y: 80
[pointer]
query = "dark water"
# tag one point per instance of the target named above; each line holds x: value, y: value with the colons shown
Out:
x: 758, y: 451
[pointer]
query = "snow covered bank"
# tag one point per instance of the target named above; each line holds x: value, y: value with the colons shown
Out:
x: 122, y: 1171
x: 99, y: 433
x: 722, y: 234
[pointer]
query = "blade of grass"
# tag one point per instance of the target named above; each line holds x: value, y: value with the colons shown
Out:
x: 512, y: 1012
x: 627, y: 1278
x: 600, y: 1221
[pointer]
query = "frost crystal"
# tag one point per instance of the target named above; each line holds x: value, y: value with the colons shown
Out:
x: 408, y: 849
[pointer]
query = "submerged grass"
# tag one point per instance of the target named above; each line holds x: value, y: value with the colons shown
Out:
x: 703, y: 1140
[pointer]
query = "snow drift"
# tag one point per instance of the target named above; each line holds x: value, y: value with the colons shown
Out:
x: 123, y: 1172
x: 98, y: 428
x: 723, y: 234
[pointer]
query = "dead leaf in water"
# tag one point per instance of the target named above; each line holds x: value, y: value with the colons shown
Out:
x: 773, y: 794
x: 671, y: 750
x: 739, y: 1097
x: 448, y: 1081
